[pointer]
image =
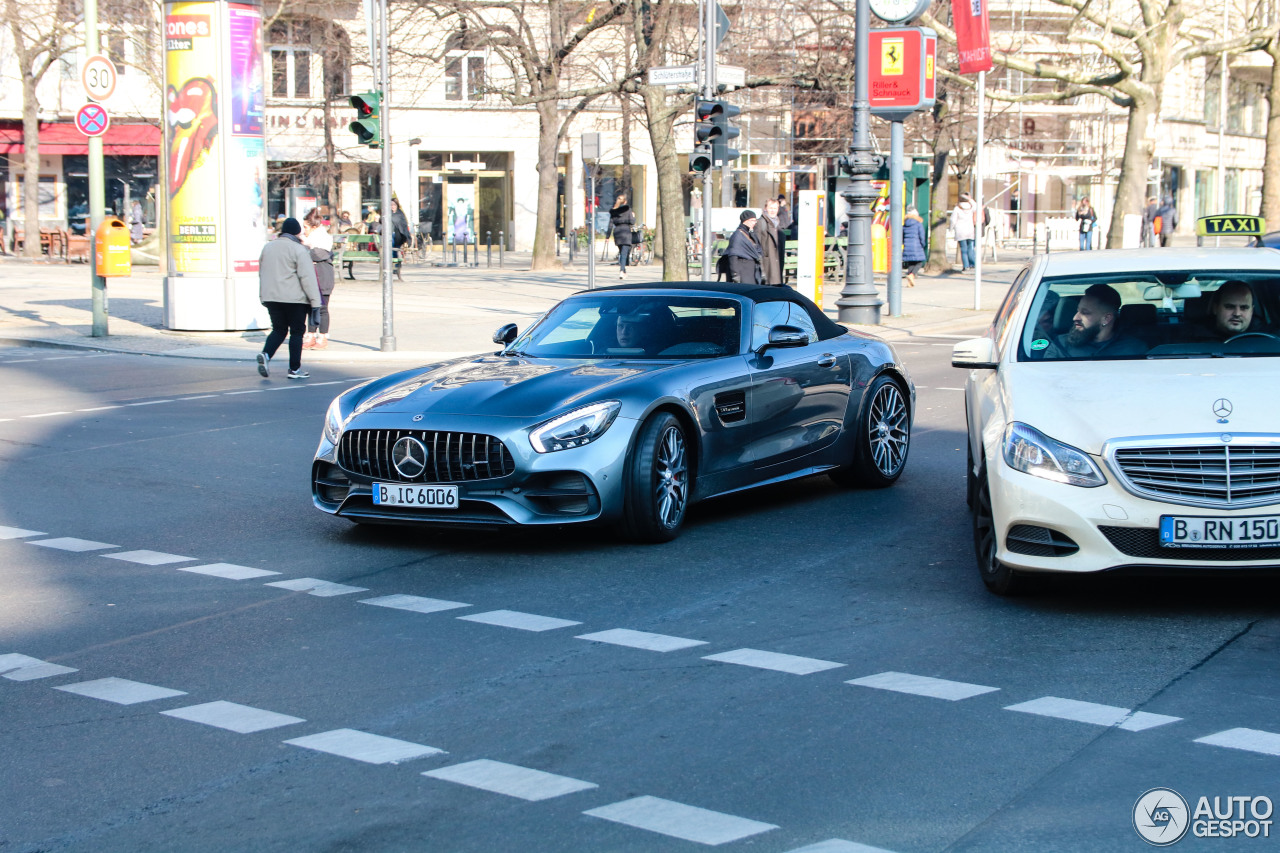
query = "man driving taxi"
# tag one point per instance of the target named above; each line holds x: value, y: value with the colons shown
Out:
x: 1231, y: 310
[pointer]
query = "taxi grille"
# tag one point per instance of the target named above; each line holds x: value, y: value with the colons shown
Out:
x: 452, y: 457
x: 1213, y: 475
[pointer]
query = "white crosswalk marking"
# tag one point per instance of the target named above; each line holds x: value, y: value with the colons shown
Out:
x: 1093, y: 713
x: 641, y: 640
x: 922, y: 685
x: 416, y: 603
x: 17, y: 667
x: 120, y: 691
x: 314, y: 586
x: 148, y: 558
x: 362, y: 746
x: 1251, y: 740
x: 839, y: 845
x: 522, y: 621
x: 773, y: 660
x: 68, y: 543
x: 230, y: 571
x: 237, y: 718
x: 510, y: 780
x: 17, y: 533
x: 680, y: 821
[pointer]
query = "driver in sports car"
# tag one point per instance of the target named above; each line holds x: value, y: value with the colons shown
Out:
x: 1230, y: 312
x: 647, y: 327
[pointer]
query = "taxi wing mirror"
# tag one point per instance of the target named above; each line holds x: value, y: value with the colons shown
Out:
x: 975, y: 354
x: 505, y: 334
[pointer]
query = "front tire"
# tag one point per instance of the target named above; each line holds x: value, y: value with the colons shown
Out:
x: 999, y: 578
x: 882, y: 440
x: 657, y: 492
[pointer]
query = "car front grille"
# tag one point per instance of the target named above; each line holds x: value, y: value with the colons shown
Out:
x: 1224, y: 475
x: 452, y: 457
x: 1145, y: 542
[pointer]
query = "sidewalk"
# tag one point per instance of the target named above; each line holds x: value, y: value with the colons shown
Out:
x: 438, y: 312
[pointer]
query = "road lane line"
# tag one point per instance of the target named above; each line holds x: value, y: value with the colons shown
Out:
x: 121, y: 691
x: 510, y: 780
x: 148, y: 558
x: 250, y: 391
x: 416, y: 603
x: 68, y: 543
x: 1250, y: 740
x: 362, y: 746
x: 680, y: 821
x: 18, y: 533
x: 641, y: 640
x: 242, y: 719
x: 922, y: 685
x: 521, y: 621
x: 149, y: 403
x: 773, y: 660
x: 100, y: 408
x: 230, y: 571
x: 46, y: 415
x: 315, y: 586
x: 1092, y: 713
x: 16, y: 667
x: 839, y: 845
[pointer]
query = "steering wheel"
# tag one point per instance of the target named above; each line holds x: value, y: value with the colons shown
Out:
x: 1251, y: 335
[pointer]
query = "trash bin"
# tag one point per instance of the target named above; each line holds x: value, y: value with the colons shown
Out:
x: 112, y: 249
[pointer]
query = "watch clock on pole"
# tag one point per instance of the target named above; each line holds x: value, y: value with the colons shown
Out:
x: 898, y: 11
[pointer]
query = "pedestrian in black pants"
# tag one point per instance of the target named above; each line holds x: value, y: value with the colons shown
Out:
x: 287, y: 287
x: 743, y: 252
x: 622, y: 219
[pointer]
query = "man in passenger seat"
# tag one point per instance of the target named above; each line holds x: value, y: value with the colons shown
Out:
x: 1095, y: 329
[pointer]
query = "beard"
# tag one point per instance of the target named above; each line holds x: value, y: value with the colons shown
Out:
x: 1083, y: 335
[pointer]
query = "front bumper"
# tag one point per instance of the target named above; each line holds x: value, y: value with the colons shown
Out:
x: 1043, y: 526
x: 574, y: 486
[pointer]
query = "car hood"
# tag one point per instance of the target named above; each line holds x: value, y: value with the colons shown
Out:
x: 505, y: 386
x: 1085, y: 404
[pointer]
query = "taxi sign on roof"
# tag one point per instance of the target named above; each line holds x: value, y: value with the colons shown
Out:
x: 1230, y: 224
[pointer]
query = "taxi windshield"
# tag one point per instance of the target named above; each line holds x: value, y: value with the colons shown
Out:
x: 1150, y: 315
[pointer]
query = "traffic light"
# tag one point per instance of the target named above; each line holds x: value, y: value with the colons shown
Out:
x: 711, y: 126
x: 700, y: 159
x: 368, y: 124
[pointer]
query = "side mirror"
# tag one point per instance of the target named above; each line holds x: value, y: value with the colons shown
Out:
x: 975, y: 353
x: 785, y: 337
x: 505, y: 334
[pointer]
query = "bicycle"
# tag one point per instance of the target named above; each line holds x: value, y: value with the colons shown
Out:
x: 642, y: 252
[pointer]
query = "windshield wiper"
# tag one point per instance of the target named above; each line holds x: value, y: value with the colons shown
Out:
x: 515, y: 353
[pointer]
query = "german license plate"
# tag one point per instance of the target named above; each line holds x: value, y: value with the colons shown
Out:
x: 1258, y: 531
x: 404, y: 494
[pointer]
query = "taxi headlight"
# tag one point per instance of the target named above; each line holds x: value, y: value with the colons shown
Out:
x: 1030, y: 451
x: 574, y: 429
x: 333, y: 422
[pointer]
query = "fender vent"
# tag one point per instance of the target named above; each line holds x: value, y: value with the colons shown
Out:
x: 731, y: 406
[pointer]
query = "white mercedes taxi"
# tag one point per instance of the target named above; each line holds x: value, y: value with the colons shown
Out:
x: 1124, y: 414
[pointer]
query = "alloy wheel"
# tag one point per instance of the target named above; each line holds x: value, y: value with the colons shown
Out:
x: 671, y: 492
x: 888, y: 430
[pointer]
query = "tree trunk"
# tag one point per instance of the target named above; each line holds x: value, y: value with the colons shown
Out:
x: 1138, y: 149
x: 544, y: 235
x: 940, y: 204
x: 30, y: 168
x: 666, y: 157
x: 1271, y: 164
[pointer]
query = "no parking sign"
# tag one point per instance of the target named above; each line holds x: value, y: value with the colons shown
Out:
x: 92, y: 120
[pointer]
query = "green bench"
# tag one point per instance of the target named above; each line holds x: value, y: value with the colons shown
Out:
x: 833, y: 258
x: 352, y: 249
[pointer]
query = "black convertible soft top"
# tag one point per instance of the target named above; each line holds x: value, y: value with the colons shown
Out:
x: 822, y: 324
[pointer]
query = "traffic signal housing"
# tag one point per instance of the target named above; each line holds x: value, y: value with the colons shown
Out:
x: 368, y: 124
x: 700, y: 159
x: 712, y: 127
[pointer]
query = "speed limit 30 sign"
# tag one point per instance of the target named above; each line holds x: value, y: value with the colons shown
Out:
x: 98, y: 76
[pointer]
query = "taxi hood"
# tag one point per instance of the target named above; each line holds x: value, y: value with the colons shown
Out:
x: 1086, y: 403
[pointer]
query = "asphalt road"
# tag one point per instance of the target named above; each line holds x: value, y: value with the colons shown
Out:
x: 562, y: 691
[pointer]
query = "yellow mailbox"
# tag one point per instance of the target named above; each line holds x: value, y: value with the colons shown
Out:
x: 112, y: 249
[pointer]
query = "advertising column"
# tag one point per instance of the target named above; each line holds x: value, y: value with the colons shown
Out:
x: 811, y: 220
x: 216, y: 165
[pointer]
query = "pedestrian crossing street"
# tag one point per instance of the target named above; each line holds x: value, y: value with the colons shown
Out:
x: 647, y: 813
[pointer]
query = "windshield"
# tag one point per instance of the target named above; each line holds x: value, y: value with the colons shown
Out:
x: 1149, y: 315
x: 635, y: 326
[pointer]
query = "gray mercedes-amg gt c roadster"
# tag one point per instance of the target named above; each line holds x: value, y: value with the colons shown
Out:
x: 624, y: 406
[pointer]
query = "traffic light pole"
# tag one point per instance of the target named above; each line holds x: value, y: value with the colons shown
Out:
x: 708, y: 91
x: 388, y: 342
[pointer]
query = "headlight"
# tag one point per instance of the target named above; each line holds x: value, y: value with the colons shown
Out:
x: 574, y: 429
x: 1032, y: 452
x: 333, y: 422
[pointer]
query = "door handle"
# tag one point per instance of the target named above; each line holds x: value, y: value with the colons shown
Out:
x: 827, y: 360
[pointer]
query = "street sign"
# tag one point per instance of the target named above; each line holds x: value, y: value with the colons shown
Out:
x: 92, y: 120
x: 902, y: 71
x: 722, y: 25
x: 674, y: 75
x: 98, y: 76
x: 730, y: 77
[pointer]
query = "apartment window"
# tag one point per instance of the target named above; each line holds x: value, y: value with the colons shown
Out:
x: 464, y: 77
x: 290, y: 55
x: 115, y: 51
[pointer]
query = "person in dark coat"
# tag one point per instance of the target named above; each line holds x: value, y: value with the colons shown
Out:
x: 769, y: 236
x: 913, y: 244
x: 622, y: 219
x: 1149, y: 222
x: 1166, y: 220
x: 743, y: 253
x: 785, y: 220
x: 400, y: 234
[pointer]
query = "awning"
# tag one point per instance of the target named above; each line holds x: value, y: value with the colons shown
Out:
x: 63, y: 138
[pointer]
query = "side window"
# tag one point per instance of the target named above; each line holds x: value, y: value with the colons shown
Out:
x: 1001, y: 326
x: 765, y: 316
x: 800, y: 318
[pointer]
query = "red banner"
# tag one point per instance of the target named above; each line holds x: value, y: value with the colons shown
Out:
x: 973, y: 35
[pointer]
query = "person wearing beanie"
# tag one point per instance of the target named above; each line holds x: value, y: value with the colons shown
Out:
x: 287, y: 287
x: 742, y: 257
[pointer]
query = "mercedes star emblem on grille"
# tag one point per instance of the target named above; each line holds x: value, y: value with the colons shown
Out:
x: 1222, y: 408
x: 410, y: 457
x: 417, y: 418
